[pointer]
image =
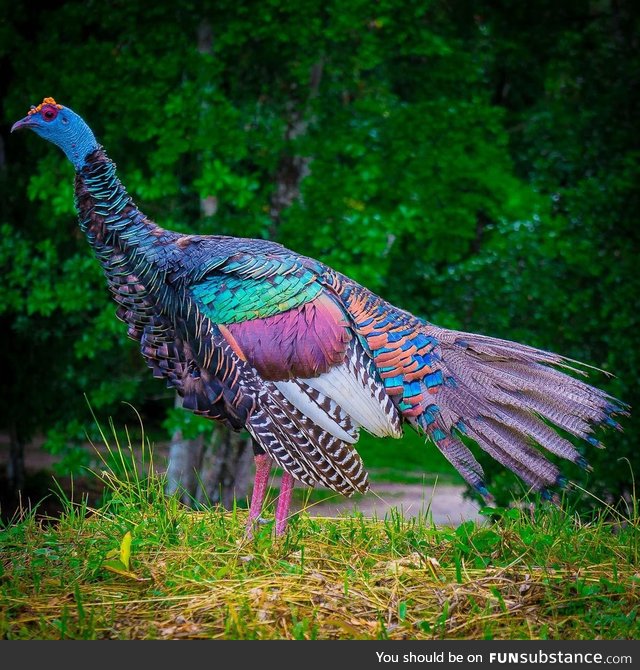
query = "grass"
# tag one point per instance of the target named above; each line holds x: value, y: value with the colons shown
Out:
x: 144, y: 566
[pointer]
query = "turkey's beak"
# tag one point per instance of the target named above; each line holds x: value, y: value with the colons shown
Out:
x: 27, y: 122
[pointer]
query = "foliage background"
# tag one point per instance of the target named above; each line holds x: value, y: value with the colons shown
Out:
x: 473, y: 162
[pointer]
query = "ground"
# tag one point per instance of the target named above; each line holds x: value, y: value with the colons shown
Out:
x: 445, y: 502
x: 144, y: 566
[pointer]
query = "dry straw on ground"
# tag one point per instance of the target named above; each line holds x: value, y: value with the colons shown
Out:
x: 195, y: 575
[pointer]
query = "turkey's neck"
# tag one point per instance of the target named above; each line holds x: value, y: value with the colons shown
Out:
x: 112, y: 222
x: 107, y: 214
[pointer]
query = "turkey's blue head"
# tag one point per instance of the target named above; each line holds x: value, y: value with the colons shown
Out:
x: 61, y: 126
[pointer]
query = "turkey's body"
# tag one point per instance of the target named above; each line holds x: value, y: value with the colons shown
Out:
x: 154, y: 275
x: 258, y: 337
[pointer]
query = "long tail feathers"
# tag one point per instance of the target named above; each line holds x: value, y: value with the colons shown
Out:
x: 501, y: 394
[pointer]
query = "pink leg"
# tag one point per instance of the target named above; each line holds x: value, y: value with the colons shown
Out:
x: 284, y: 502
x: 260, y: 482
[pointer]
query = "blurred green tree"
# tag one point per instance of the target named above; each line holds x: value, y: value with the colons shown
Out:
x: 475, y: 163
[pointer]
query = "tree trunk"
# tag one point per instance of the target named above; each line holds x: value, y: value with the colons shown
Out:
x: 225, y: 475
x: 15, y: 467
x: 293, y: 169
x: 221, y: 472
x: 185, y: 459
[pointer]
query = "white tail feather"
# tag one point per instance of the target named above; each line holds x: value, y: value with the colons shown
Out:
x: 293, y: 392
x: 342, y: 385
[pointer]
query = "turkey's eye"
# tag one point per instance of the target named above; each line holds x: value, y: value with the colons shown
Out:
x: 49, y: 114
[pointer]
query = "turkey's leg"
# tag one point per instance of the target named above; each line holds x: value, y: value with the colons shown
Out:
x: 284, y: 502
x: 260, y: 483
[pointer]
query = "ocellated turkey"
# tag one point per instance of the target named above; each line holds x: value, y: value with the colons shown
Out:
x: 260, y: 338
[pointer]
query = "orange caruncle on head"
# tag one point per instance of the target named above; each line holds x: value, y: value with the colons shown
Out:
x: 46, y: 101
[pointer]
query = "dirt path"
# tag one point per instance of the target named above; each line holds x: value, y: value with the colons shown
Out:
x: 446, y: 503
